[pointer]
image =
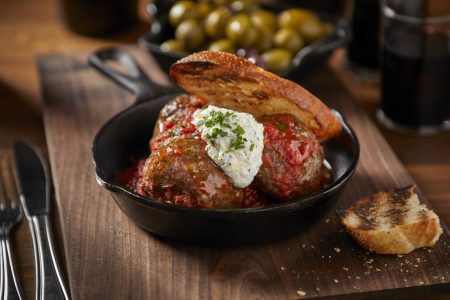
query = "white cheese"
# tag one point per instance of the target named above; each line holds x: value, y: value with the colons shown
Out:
x: 235, y: 142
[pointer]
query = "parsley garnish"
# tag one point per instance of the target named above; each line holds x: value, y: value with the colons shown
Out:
x: 238, y: 130
x: 218, y: 117
x: 189, y: 149
x: 215, y: 133
x: 281, y: 126
x: 237, y: 143
x: 252, y: 146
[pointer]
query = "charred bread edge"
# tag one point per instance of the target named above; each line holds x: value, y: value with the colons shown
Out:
x: 399, y: 240
x: 324, y: 123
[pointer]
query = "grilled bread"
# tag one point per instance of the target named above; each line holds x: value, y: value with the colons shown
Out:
x: 392, y: 222
x: 232, y: 82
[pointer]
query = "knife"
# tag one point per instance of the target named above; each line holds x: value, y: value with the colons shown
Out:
x: 34, y: 187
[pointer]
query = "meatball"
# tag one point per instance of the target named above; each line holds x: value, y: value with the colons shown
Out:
x: 175, y: 119
x: 292, y: 159
x: 180, y: 172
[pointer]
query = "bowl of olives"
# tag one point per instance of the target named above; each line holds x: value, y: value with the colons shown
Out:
x: 289, y: 41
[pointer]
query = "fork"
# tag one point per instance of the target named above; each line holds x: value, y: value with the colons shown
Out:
x: 10, y: 215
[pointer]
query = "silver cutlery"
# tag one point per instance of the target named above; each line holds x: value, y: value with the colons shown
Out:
x: 34, y: 186
x: 10, y: 215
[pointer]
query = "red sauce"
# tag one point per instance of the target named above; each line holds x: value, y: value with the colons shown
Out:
x: 176, y: 119
x: 291, y: 160
x: 131, y: 177
x: 281, y: 136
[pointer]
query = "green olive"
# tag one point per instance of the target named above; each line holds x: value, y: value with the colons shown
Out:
x: 288, y: 39
x: 294, y: 17
x: 190, y: 33
x: 223, y: 45
x: 181, y: 11
x: 172, y: 45
x: 222, y: 2
x: 240, y: 31
x: 244, y: 5
x: 311, y: 30
x: 203, y: 9
x: 216, y: 21
x: 264, y: 20
x: 277, y: 59
x: 264, y: 41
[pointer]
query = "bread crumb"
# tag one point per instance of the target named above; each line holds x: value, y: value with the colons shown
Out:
x: 282, y: 268
x: 301, y: 293
x: 337, y: 249
x: 336, y: 281
x: 399, y: 255
x: 327, y: 220
x: 357, y: 277
x: 345, y: 268
x: 312, y: 246
x: 317, y: 289
x: 378, y: 270
x: 303, y: 246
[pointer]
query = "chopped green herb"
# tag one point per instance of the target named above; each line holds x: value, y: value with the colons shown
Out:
x: 218, y: 117
x: 252, y: 146
x: 238, y: 130
x: 237, y: 143
x: 215, y: 133
x: 189, y: 149
x: 281, y: 126
x: 171, y: 133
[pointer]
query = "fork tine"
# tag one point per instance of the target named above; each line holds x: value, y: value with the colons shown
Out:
x: 2, y: 184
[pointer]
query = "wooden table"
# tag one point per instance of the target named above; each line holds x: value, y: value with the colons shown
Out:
x: 28, y: 27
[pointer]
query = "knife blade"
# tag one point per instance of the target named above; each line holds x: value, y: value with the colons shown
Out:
x: 34, y: 185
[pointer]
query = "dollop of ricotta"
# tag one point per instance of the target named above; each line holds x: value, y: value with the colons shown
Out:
x: 235, y: 142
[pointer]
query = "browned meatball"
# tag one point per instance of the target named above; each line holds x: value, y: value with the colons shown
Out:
x: 292, y: 159
x: 175, y: 119
x: 180, y: 172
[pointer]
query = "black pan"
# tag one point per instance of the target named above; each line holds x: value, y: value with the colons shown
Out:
x: 305, y: 61
x: 125, y: 138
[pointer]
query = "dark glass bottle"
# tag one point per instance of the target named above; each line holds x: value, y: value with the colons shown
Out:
x: 363, y: 50
x: 99, y: 17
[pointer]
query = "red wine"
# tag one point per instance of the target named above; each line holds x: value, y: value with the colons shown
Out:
x: 416, y: 82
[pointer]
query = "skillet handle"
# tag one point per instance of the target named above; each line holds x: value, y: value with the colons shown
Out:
x: 135, y: 80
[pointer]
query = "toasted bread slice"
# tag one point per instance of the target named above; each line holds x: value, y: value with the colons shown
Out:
x: 232, y: 82
x: 392, y: 222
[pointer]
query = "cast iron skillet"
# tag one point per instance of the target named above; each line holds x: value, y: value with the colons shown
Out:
x: 125, y: 137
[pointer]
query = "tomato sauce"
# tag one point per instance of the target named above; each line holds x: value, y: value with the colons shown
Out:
x: 176, y: 120
x: 281, y: 137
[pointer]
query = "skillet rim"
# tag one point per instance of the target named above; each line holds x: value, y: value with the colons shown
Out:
x: 280, y: 208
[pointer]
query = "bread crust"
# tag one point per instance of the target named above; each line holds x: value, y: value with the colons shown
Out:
x: 233, y: 82
x: 392, y: 222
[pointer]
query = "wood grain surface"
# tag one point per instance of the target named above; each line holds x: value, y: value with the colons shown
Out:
x: 108, y: 257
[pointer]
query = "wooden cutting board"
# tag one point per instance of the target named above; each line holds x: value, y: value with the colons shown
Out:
x: 109, y: 257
